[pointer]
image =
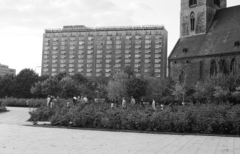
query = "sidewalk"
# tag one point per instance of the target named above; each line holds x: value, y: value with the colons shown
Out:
x: 16, y: 138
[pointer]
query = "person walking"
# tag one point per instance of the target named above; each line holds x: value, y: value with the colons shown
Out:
x: 85, y: 99
x: 133, y: 100
x: 124, y: 103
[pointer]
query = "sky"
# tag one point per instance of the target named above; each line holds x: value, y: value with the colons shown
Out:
x: 22, y: 22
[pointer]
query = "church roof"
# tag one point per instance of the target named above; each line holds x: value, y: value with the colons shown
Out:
x: 220, y: 38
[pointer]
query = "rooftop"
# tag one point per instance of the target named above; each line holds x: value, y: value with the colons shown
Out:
x: 221, y: 37
x: 82, y: 28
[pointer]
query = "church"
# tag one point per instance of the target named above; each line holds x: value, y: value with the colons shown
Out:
x: 209, y: 41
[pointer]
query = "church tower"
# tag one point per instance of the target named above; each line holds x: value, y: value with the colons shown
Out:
x: 197, y: 15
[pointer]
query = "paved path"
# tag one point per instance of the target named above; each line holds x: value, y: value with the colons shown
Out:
x: 16, y: 138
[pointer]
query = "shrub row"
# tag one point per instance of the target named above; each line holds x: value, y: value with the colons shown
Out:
x: 15, y: 102
x: 205, y: 118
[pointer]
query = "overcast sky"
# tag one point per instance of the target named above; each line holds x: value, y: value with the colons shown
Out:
x: 22, y: 22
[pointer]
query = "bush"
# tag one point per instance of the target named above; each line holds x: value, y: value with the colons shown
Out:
x: 3, y: 109
x: 200, y: 118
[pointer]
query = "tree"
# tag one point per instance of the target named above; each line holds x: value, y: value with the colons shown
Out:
x: 50, y: 86
x: 129, y: 71
x: 117, y: 86
x: 79, y: 78
x: 136, y: 87
x: 23, y: 83
x: 7, y: 86
x: 69, y: 87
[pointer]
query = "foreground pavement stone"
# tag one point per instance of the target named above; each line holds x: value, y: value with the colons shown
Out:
x: 16, y: 138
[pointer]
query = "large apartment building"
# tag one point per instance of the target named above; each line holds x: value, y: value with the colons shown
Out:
x: 4, y: 69
x: 100, y: 51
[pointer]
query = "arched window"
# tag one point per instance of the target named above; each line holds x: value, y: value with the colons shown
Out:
x: 213, y: 68
x: 222, y: 67
x: 192, y: 21
x: 192, y: 2
x: 182, y: 77
x: 233, y: 66
x: 217, y: 2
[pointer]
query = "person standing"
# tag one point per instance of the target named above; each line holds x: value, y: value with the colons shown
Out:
x: 85, y: 99
x: 133, y: 100
x: 112, y: 103
x: 154, y: 105
x: 74, y: 100
x: 124, y: 103
x: 48, y: 100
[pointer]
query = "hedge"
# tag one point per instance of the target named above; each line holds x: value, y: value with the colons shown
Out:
x: 202, y: 119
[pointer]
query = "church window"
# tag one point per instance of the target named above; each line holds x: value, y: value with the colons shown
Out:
x: 192, y: 21
x: 233, y: 66
x: 222, y: 67
x: 192, y: 2
x: 213, y: 68
x: 217, y: 2
x: 182, y: 77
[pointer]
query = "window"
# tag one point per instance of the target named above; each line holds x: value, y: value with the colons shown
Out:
x: 147, y: 37
x: 90, y: 47
x: 90, y: 51
x: 99, y: 51
x: 62, y: 65
x: 54, y: 61
x: 99, y: 60
x: 137, y: 60
x: 137, y: 46
x: 157, y: 55
x: 147, y: 55
x: 80, y: 52
x: 71, y: 56
x: 192, y: 2
x: 72, y: 47
x: 80, y: 61
x: 81, y: 47
x: 127, y: 56
x: 63, y: 52
x: 147, y: 41
x: 99, y: 56
x: 147, y: 46
x: 137, y: 51
x: 99, y: 65
x: 80, y: 65
x: 108, y: 47
x: 89, y: 74
x: 108, y: 51
x: 89, y: 65
x: 138, y: 37
x: 89, y: 56
x: 127, y: 60
x: 108, y: 56
x: 158, y: 51
x: 182, y: 77
x: 192, y: 21
x: 54, y: 69
x: 217, y: 2
x: 127, y: 51
x: 233, y: 66
x: 137, y: 55
x: 222, y: 67
x: 117, y: 60
x: 71, y: 65
x: 80, y: 70
x: 71, y: 52
x: 118, y: 37
x: 89, y: 70
x: 118, y: 51
x: 109, y: 42
x: 157, y: 65
x: 128, y: 37
x: 128, y: 46
x: 147, y: 61
x: 213, y: 68
x: 71, y: 61
x: 81, y: 42
x: 118, y: 46
x: 63, y: 61
x: 46, y: 52
x: 89, y: 61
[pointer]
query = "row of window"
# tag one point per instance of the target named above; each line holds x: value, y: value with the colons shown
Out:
x: 100, y: 65
x: 81, y: 52
x: 100, y: 56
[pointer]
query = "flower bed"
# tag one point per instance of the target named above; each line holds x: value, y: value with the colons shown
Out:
x: 202, y: 119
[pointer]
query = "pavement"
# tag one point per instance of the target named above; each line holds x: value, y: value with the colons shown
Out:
x: 18, y: 137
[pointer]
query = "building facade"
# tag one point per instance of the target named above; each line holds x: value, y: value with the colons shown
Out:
x: 4, y: 69
x: 99, y: 51
x: 209, y: 41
